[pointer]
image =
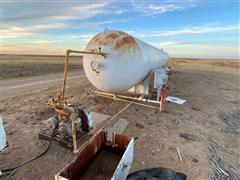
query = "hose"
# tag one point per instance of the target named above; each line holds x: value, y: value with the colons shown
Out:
x: 12, y: 170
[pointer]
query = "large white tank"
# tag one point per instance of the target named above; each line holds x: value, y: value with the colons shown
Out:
x: 128, y: 61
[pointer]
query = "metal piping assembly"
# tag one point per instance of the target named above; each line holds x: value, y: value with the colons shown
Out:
x: 68, y: 52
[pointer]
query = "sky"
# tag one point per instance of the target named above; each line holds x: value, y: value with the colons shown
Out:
x: 189, y: 28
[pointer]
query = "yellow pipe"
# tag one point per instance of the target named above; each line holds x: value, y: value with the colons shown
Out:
x: 74, y: 133
x: 65, y: 72
x: 66, y: 66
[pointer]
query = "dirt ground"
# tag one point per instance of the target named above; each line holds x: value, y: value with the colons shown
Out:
x: 209, y: 88
x: 29, y: 65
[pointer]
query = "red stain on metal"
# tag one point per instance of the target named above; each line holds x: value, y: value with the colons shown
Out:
x: 103, y: 43
x: 125, y: 41
x: 121, y: 39
x: 112, y: 36
x: 99, y: 40
x: 96, y: 38
x: 76, y: 168
x: 122, y: 141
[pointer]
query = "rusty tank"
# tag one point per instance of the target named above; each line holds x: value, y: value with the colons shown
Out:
x: 128, y: 61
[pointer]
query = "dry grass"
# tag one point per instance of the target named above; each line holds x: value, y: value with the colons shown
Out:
x: 226, y: 66
x: 30, y: 65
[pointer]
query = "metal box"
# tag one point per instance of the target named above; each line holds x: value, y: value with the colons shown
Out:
x: 160, y: 77
x: 101, y: 159
x: 3, y: 137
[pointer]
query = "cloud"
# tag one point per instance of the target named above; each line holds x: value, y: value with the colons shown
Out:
x: 150, y: 9
x: 179, y: 43
x: 164, y: 8
x: 88, y: 10
x: 197, y: 30
x: 99, y: 24
x: 41, y: 42
x: 17, y: 31
x: 89, y: 7
x: 119, y: 11
x: 51, y: 10
x: 29, y: 49
x: 28, y: 18
x: 137, y: 34
x: 204, y: 29
x: 45, y: 41
x: 48, y: 26
x: 82, y: 37
x: 167, y: 43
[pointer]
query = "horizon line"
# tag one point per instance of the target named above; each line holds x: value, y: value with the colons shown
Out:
x: 173, y: 57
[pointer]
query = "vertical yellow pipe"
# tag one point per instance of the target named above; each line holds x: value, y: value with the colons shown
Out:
x: 74, y: 133
x: 65, y: 73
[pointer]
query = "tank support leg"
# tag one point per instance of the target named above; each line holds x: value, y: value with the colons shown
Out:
x: 158, y: 94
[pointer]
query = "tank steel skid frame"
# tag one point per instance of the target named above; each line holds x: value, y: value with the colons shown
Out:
x: 160, y: 101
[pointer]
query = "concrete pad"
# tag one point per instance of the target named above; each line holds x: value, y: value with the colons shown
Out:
x: 117, y: 127
x: 99, y: 118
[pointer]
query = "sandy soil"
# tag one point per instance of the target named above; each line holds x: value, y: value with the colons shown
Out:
x: 30, y: 65
x: 209, y: 88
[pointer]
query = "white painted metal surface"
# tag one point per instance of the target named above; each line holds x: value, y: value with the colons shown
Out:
x: 125, y: 163
x: 175, y: 100
x: 3, y: 137
x: 160, y: 77
x: 128, y: 62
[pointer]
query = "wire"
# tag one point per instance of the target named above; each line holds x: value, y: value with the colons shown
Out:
x: 12, y: 170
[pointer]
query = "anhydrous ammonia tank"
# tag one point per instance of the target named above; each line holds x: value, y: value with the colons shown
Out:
x: 128, y: 61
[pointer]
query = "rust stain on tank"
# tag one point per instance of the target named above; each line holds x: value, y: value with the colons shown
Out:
x: 103, y: 43
x: 96, y: 38
x: 119, y: 41
x: 112, y: 36
x: 126, y: 41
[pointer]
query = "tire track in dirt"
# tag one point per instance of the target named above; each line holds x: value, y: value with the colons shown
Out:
x: 20, y: 83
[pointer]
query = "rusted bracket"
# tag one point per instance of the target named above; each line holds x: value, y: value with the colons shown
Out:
x: 68, y: 52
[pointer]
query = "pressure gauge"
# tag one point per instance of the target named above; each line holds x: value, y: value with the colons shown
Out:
x: 94, y: 65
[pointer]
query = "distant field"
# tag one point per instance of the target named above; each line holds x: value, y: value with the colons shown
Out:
x: 29, y: 65
x: 221, y: 65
